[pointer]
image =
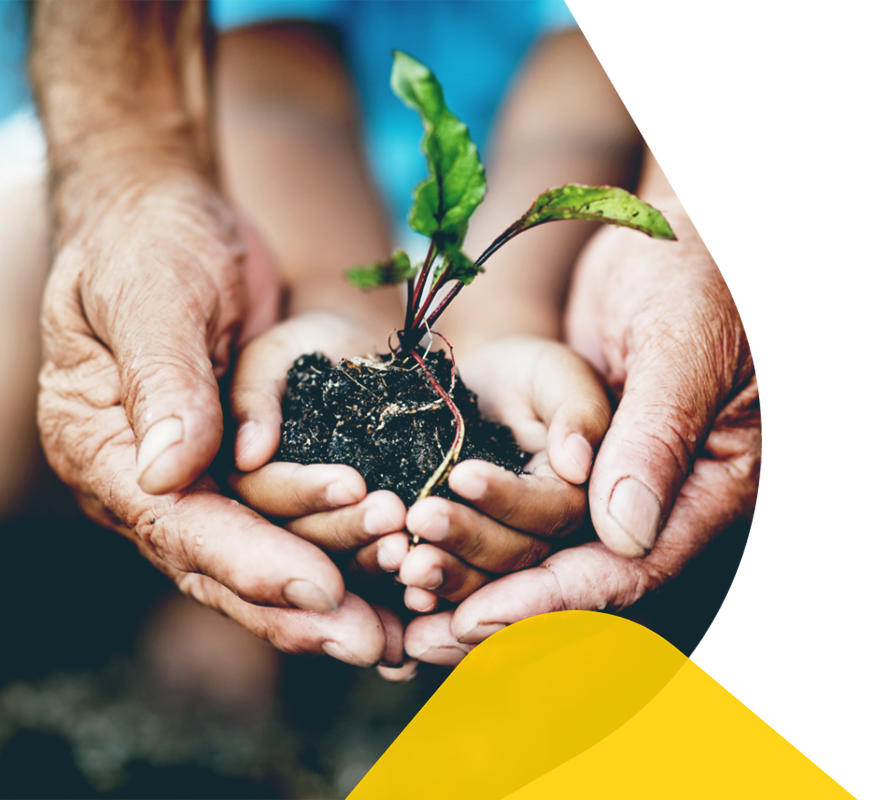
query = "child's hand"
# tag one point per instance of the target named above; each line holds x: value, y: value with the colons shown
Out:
x: 326, y: 504
x: 558, y: 410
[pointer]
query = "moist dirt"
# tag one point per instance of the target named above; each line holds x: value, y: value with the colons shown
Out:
x: 383, y: 418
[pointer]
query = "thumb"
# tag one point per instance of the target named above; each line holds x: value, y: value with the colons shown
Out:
x: 169, y: 392
x: 676, y: 380
x: 571, y: 399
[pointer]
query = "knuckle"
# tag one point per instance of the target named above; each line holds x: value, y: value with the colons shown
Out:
x: 198, y: 587
x: 148, y: 373
x: 159, y: 528
x: 569, y: 511
x: 508, y: 506
x: 668, y: 433
x: 532, y: 552
x: 276, y: 628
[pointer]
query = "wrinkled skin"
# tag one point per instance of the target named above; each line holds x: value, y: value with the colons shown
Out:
x: 660, y: 324
x: 134, y: 337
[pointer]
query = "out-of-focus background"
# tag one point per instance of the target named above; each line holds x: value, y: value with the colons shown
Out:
x: 768, y: 137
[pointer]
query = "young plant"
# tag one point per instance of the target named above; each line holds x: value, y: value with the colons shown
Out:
x: 442, y: 205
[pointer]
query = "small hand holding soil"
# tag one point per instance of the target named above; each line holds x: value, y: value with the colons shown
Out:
x: 383, y: 417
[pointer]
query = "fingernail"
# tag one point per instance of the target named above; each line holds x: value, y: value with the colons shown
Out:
x: 375, y: 521
x: 473, y: 489
x: 444, y: 656
x: 305, y: 595
x: 435, y: 527
x: 336, y: 650
x: 637, y: 511
x: 385, y: 558
x: 433, y: 580
x: 162, y: 435
x: 580, y: 453
x: 341, y: 494
x: 479, y: 633
x: 246, y: 437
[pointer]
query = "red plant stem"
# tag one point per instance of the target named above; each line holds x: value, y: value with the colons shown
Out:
x: 412, y: 304
x: 451, y: 457
x: 436, y: 385
x: 434, y: 290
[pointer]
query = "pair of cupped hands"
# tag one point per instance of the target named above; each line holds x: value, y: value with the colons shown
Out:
x: 154, y: 295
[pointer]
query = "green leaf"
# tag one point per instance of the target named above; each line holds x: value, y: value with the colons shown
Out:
x: 444, y: 202
x: 602, y: 203
x: 462, y: 268
x: 396, y: 269
x: 456, y: 267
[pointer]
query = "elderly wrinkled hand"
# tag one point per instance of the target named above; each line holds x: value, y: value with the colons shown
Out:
x: 147, y: 296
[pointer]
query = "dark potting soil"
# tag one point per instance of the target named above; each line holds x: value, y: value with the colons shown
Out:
x: 383, y: 418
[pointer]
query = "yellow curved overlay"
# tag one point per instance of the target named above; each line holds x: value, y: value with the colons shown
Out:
x: 581, y: 704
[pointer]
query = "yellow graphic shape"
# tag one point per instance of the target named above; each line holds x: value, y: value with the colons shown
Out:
x: 581, y: 704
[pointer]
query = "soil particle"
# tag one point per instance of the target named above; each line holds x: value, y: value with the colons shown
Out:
x: 383, y: 418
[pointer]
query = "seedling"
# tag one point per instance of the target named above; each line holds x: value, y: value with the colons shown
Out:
x: 441, y: 209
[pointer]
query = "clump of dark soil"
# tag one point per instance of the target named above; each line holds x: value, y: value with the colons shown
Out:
x: 383, y: 418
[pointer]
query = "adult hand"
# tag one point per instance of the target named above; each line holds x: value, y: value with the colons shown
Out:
x: 558, y: 410
x: 146, y: 297
x: 680, y: 462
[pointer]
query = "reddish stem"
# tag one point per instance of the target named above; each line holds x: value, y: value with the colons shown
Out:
x: 442, y: 472
x: 413, y: 303
x: 434, y: 290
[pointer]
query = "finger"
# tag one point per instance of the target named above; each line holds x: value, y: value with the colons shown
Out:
x: 419, y: 600
x: 570, y: 398
x: 260, y: 379
x: 282, y: 489
x: 393, y: 627
x: 539, y: 503
x: 401, y: 674
x: 474, y: 537
x: 382, y: 556
x: 166, y: 351
x: 344, y: 529
x: 354, y: 633
x: 258, y: 386
x: 430, y: 639
x: 678, y: 376
x: 429, y: 570
x: 197, y: 530
x: 643, y: 463
x: 206, y: 533
x: 719, y: 491
x: 548, y: 396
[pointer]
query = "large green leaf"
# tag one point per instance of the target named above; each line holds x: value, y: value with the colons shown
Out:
x: 444, y: 202
x: 396, y: 269
x: 601, y: 203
